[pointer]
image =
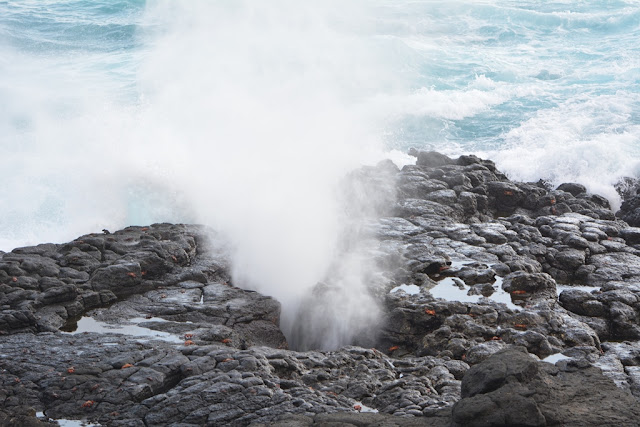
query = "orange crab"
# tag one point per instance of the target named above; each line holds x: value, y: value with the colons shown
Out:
x: 520, y: 326
x: 88, y: 404
x: 189, y: 342
x: 430, y: 312
x: 518, y: 292
x: 126, y: 365
x: 132, y: 274
x: 357, y: 408
x: 71, y: 370
x: 394, y: 348
x: 226, y: 341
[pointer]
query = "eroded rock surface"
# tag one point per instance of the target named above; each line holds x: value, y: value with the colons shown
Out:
x: 145, y: 326
x: 510, y: 388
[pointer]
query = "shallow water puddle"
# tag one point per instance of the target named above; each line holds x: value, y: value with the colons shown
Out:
x: 183, y: 296
x: 460, y: 264
x: 454, y: 289
x: 555, y: 358
x: 132, y: 328
x: 76, y: 423
x: 67, y: 423
x: 408, y: 289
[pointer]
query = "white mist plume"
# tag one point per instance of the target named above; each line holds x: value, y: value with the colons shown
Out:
x: 244, y: 115
x: 264, y: 99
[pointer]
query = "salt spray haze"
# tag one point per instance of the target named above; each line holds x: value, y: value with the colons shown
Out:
x: 262, y: 103
x: 242, y: 115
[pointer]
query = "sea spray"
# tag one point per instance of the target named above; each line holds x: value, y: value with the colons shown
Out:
x: 89, y: 89
x: 264, y: 100
x: 546, y: 89
x: 343, y: 308
x: 579, y: 141
x: 245, y: 115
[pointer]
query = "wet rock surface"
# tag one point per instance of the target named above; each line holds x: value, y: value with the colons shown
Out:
x: 478, y: 278
x: 629, y: 189
x: 510, y: 388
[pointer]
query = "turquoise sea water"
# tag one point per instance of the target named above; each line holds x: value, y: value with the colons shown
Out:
x: 129, y: 112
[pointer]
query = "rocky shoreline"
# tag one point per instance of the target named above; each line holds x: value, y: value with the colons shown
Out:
x: 481, y: 278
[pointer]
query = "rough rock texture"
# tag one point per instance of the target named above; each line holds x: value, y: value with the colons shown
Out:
x: 145, y: 326
x: 122, y: 381
x: 137, y: 272
x: 629, y: 189
x: 154, y: 333
x: 511, y: 388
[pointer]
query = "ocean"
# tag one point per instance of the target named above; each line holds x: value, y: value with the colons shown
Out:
x: 245, y: 115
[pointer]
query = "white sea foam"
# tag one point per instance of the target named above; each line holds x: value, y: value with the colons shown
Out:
x: 465, y: 78
x: 587, y: 140
x: 544, y: 89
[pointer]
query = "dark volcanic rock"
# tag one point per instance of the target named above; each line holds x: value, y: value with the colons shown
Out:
x: 431, y: 158
x: 120, y: 381
x: 145, y: 326
x: 538, y: 285
x: 195, y: 345
x: 511, y: 388
x: 630, y: 211
x: 573, y: 188
x: 505, y: 195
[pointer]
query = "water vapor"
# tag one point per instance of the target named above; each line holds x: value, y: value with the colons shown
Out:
x: 266, y: 102
x: 242, y: 115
